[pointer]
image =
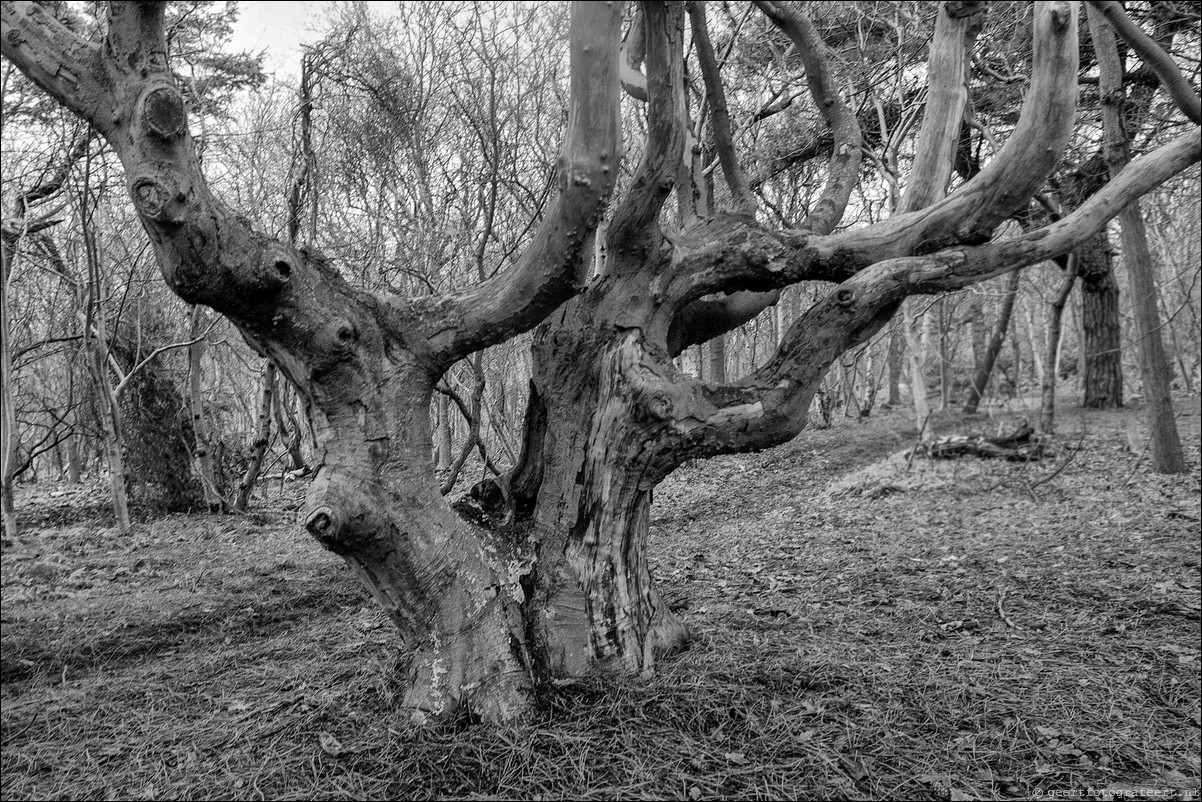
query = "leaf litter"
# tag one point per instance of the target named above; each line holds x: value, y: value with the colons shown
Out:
x: 868, y: 626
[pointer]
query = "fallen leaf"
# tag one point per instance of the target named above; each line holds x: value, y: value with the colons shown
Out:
x: 330, y: 745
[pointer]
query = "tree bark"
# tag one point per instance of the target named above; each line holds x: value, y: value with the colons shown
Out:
x: 1047, y: 408
x: 202, y: 435
x: 443, y: 446
x: 9, y: 441
x: 1101, y: 333
x: 1165, y: 444
x: 257, y: 450
x: 997, y: 339
x: 895, y: 363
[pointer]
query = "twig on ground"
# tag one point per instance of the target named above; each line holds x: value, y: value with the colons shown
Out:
x: 1001, y: 613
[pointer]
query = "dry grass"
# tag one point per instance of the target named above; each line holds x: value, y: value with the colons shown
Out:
x: 950, y: 631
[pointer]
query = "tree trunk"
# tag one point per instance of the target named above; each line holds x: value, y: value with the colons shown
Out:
x: 997, y: 339
x: 945, y: 357
x: 917, y: 343
x: 73, y: 458
x: 1101, y: 333
x: 289, y: 425
x: 1047, y: 410
x: 595, y: 600
x: 1167, y: 455
x: 258, y: 447
x: 95, y: 355
x: 202, y: 436
x: 894, y: 358
x: 443, y: 447
x: 9, y: 441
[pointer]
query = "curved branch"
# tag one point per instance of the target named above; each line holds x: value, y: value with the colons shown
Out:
x: 947, y: 96
x: 725, y: 256
x: 634, y: 50
x: 549, y: 271
x: 744, y: 201
x: 844, y: 166
x: 635, y: 216
x: 64, y: 65
x: 769, y: 406
x: 1154, y: 56
x: 703, y: 320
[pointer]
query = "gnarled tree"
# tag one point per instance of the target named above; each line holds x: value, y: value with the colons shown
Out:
x: 612, y: 415
x: 367, y: 362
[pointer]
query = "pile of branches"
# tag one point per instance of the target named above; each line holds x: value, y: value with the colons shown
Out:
x: 1021, y: 445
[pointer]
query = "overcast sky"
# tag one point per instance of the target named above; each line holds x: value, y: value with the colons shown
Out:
x: 280, y: 27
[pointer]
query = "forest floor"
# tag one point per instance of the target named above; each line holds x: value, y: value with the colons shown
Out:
x: 868, y: 627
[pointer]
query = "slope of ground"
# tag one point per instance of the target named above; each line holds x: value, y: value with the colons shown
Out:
x: 868, y: 627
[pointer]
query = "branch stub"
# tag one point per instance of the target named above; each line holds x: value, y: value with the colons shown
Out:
x: 162, y: 112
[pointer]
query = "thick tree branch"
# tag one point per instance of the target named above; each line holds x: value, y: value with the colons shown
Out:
x: 844, y: 165
x: 947, y: 96
x: 724, y: 255
x: 550, y: 270
x: 634, y: 50
x: 69, y: 68
x: 634, y: 219
x: 1154, y: 56
x: 769, y: 406
x: 705, y: 319
x: 744, y: 201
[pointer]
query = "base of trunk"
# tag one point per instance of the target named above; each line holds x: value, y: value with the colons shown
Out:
x: 580, y: 639
x: 479, y: 672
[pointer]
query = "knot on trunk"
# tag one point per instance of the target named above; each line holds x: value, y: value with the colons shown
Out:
x: 323, y: 524
x: 161, y: 111
x: 276, y: 267
x: 338, y: 336
x: 158, y: 198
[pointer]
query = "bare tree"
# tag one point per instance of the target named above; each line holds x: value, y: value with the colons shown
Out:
x: 1154, y: 368
x: 612, y: 415
x: 485, y: 617
x: 367, y: 362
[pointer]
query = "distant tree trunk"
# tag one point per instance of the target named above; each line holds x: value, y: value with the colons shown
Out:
x: 289, y: 425
x: 257, y: 451
x: 716, y: 367
x: 72, y: 448
x: 8, y: 437
x: 1167, y: 454
x: 1101, y: 334
x: 945, y: 358
x: 443, y: 446
x: 894, y: 359
x: 96, y: 348
x: 1047, y: 410
x: 917, y: 345
x: 980, y: 333
x: 202, y: 436
x: 95, y: 356
x: 984, y: 369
